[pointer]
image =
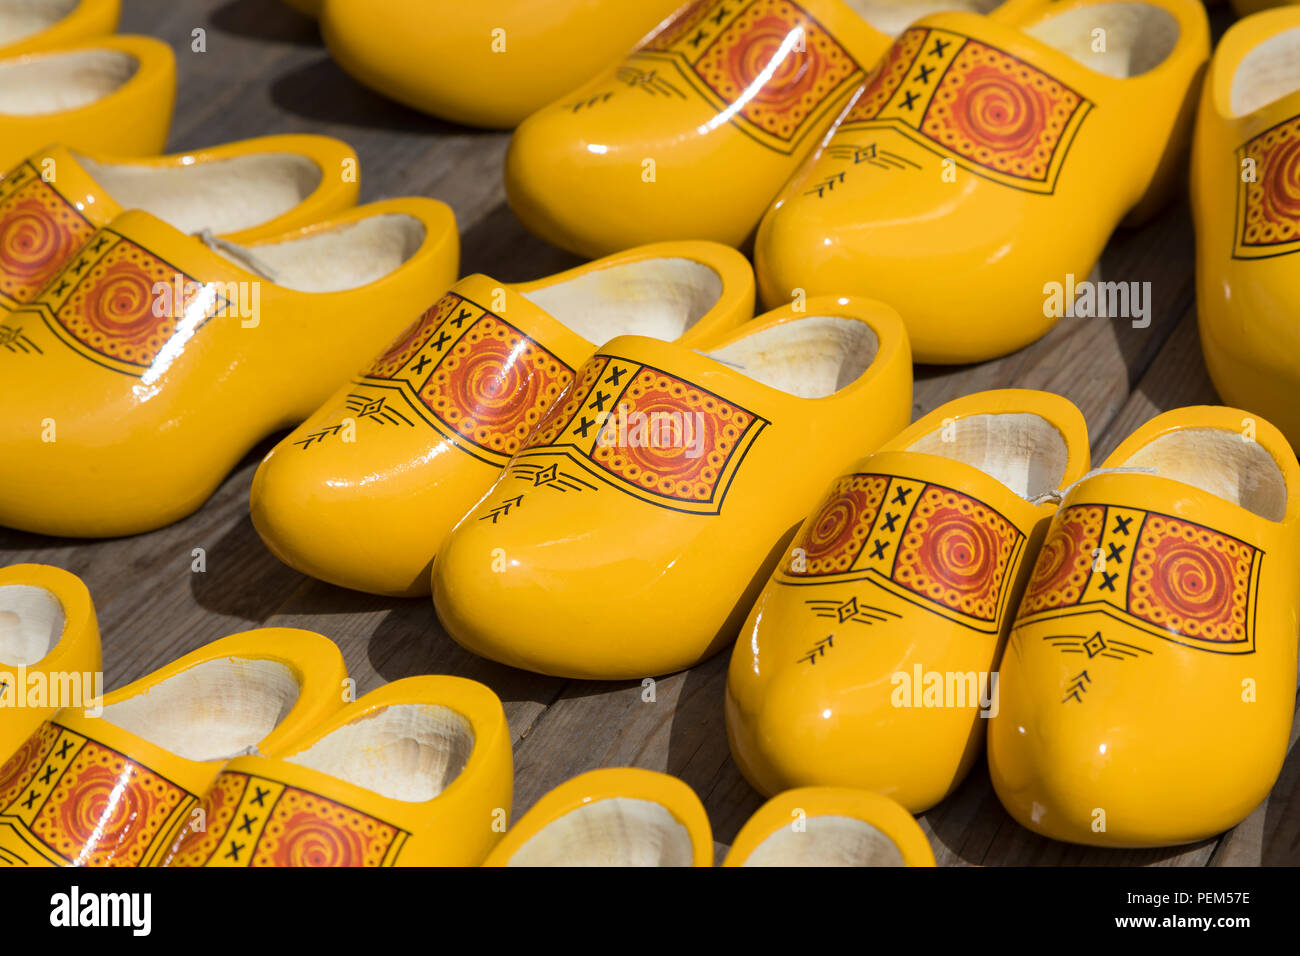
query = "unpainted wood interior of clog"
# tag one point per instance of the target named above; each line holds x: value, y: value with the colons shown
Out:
x: 214, y: 710
x: 226, y: 195
x: 827, y: 841
x: 409, y: 752
x: 1024, y: 451
x: 661, y: 298
x: 892, y: 17
x: 31, y: 624
x: 54, y: 82
x: 1268, y: 72
x: 1135, y: 38
x: 810, y: 357
x: 614, y: 831
x: 335, y: 260
x: 20, y: 19
x: 1224, y: 463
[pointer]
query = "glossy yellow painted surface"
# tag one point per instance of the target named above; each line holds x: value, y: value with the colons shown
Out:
x: 961, y: 183
x: 439, y: 415
x: 911, y: 567
x: 607, y: 554
x: 50, y: 204
x: 129, y: 403
x: 76, y: 652
x: 89, y: 18
x: 794, y: 808
x: 483, y: 64
x: 132, y: 120
x: 616, y: 783
x: 299, y: 816
x: 1149, y: 682
x: 1246, y: 203
x: 120, y: 799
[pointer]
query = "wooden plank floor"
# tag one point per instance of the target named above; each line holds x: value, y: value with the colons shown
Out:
x: 264, y: 71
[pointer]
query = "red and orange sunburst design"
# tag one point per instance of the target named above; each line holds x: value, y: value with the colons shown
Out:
x: 1269, y: 203
x: 309, y: 830
x: 203, y: 833
x: 39, y: 232
x: 21, y: 768
x: 834, y: 538
x: 1064, y: 564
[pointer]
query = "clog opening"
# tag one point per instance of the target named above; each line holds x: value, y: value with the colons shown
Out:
x: 661, y: 298
x: 1122, y: 40
x: 1221, y: 462
x: 1267, y: 73
x: 615, y: 831
x: 52, y: 83
x: 20, y: 19
x: 827, y: 841
x: 1024, y: 451
x: 334, y: 260
x: 215, y: 710
x: 810, y: 357
x: 409, y: 752
x: 892, y: 17
x: 224, y: 196
x: 31, y: 623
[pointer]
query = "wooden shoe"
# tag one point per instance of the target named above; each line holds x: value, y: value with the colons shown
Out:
x: 632, y: 532
x: 153, y: 362
x: 870, y: 659
x: 26, y: 27
x: 417, y: 773
x: 109, y: 95
x: 49, y: 650
x: 944, y: 190
x: 364, y: 492
x: 53, y: 201
x: 483, y: 64
x: 1246, y: 203
x: 830, y: 826
x: 1149, y: 680
x: 114, y: 789
x: 614, y: 817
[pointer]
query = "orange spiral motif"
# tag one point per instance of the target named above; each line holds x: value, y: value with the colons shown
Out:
x: 309, y: 840
x: 997, y: 113
x: 19, y: 770
x: 836, y: 534
x: 102, y: 809
x: 1065, y: 561
x: 33, y: 244
x: 748, y: 61
x: 1280, y: 187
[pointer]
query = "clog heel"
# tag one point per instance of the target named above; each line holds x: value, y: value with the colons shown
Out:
x: 438, y: 415
x: 154, y: 361
x: 612, y: 817
x: 870, y: 659
x: 830, y: 826
x: 417, y: 773
x: 1149, y: 681
x: 52, y: 202
x: 630, y: 534
x: 49, y: 650
x: 108, y: 95
x: 944, y: 189
x: 114, y: 788
x: 26, y: 27
x: 1246, y: 204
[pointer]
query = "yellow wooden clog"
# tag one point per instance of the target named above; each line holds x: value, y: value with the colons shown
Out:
x: 695, y: 132
x: 985, y: 166
x: 870, y: 659
x: 614, y: 817
x: 632, y: 532
x: 417, y: 773
x: 115, y: 789
x: 53, y: 201
x: 485, y: 64
x: 1149, y: 681
x: 49, y: 650
x: 364, y: 492
x: 830, y: 826
x: 27, y: 26
x: 107, y: 95
x: 153, y: 362
x: 1246, y: 202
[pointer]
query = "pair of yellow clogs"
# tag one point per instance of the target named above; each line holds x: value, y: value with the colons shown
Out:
x: 1146, y: 689
x: 629, y: 817
x: 249, y: 751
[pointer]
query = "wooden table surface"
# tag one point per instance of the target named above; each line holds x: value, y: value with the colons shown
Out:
x: 265, y: 71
